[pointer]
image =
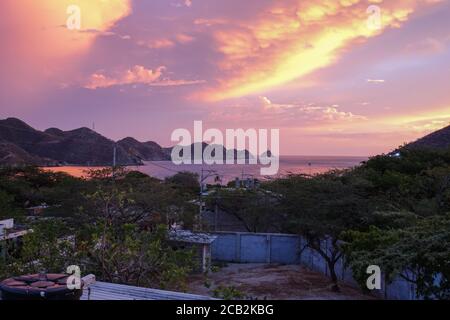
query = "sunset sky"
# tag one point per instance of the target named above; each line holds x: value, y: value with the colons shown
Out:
x: 314, y: 69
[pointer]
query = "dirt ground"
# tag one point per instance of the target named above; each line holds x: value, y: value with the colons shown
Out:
x: 273, y: 282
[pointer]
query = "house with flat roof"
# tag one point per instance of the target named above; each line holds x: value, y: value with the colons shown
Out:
x: 9, y: 231
x: 200, y: 242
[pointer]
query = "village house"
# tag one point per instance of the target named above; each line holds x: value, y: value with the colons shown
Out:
x: 200, y: 242
x: 10, y: 235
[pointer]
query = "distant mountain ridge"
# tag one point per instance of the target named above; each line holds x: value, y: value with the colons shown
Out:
x: 145, y: 151
x: 20, y: 144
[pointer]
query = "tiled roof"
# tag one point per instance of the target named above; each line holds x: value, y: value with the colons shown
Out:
x: 111, y: 291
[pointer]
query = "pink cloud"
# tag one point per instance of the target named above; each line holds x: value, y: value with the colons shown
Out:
x: 184, y: 38
x: 210, y: 22
x: 159, y: 44
x: 137, y: 75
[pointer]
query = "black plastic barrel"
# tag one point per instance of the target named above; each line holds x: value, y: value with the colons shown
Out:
x: 39, y: 287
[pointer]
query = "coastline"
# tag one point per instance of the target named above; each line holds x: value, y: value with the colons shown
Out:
x: 228, y: 172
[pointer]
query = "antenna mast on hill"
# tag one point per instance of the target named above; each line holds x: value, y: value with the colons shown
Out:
x: 203, y: 178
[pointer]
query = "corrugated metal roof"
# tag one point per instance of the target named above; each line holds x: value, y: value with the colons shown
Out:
x: 111, y: 291
x: 191, y: 237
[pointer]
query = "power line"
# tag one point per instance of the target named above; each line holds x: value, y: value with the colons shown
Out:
x: 163, y: 167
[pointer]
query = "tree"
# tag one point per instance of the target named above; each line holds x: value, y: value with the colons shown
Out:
x: 420, y: 254
x: 129, y: 255
x: 137, y: 199
x: 319, y: 209
x: 7, y: 206
x: 255, y: 209
x: 43, y: 249
x: 185, y: 182
x: 118, y: 221
x: 418, y: 181
x: 124, y: 243
x: 32, y: 186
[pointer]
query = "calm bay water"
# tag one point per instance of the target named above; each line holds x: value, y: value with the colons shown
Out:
x: 288, y: 164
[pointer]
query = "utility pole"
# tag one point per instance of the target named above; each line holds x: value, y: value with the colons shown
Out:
x: 114, y: 155
x: 201, y: 183
x: 216, y: 213
x: 203, y: 178
x: 114, y: 160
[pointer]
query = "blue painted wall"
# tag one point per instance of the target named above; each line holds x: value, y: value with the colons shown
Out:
x: 224, y: 248
x: 253, y: 248
x: 285, y: 250
x: 242, y: 247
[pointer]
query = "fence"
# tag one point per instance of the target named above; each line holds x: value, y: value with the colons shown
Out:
x: 239, y: 247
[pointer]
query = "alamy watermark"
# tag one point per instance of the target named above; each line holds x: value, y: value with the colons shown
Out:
x: 74, y: 17
x: 73, y: 282
x: 374, y: 280
x: 236, y: 146
x: 374, y: 21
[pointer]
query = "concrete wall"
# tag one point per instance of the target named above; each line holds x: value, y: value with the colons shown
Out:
x: 243, y: 247
x: 240, y: 247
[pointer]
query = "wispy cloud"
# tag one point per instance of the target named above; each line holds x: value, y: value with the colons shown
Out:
x: 311, y: 111
x: 376, y: 80
x: 158, y: 43
x: 210, y: 22
x: 428, y: 45
x: 263, y: 112
x: 167, y: 43
x: 185, y: 3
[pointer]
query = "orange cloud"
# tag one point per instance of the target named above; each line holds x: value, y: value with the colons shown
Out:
x: 42, y: 24
x: 137, y: 75
x: 295, y: 38
x: 37, y: 46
